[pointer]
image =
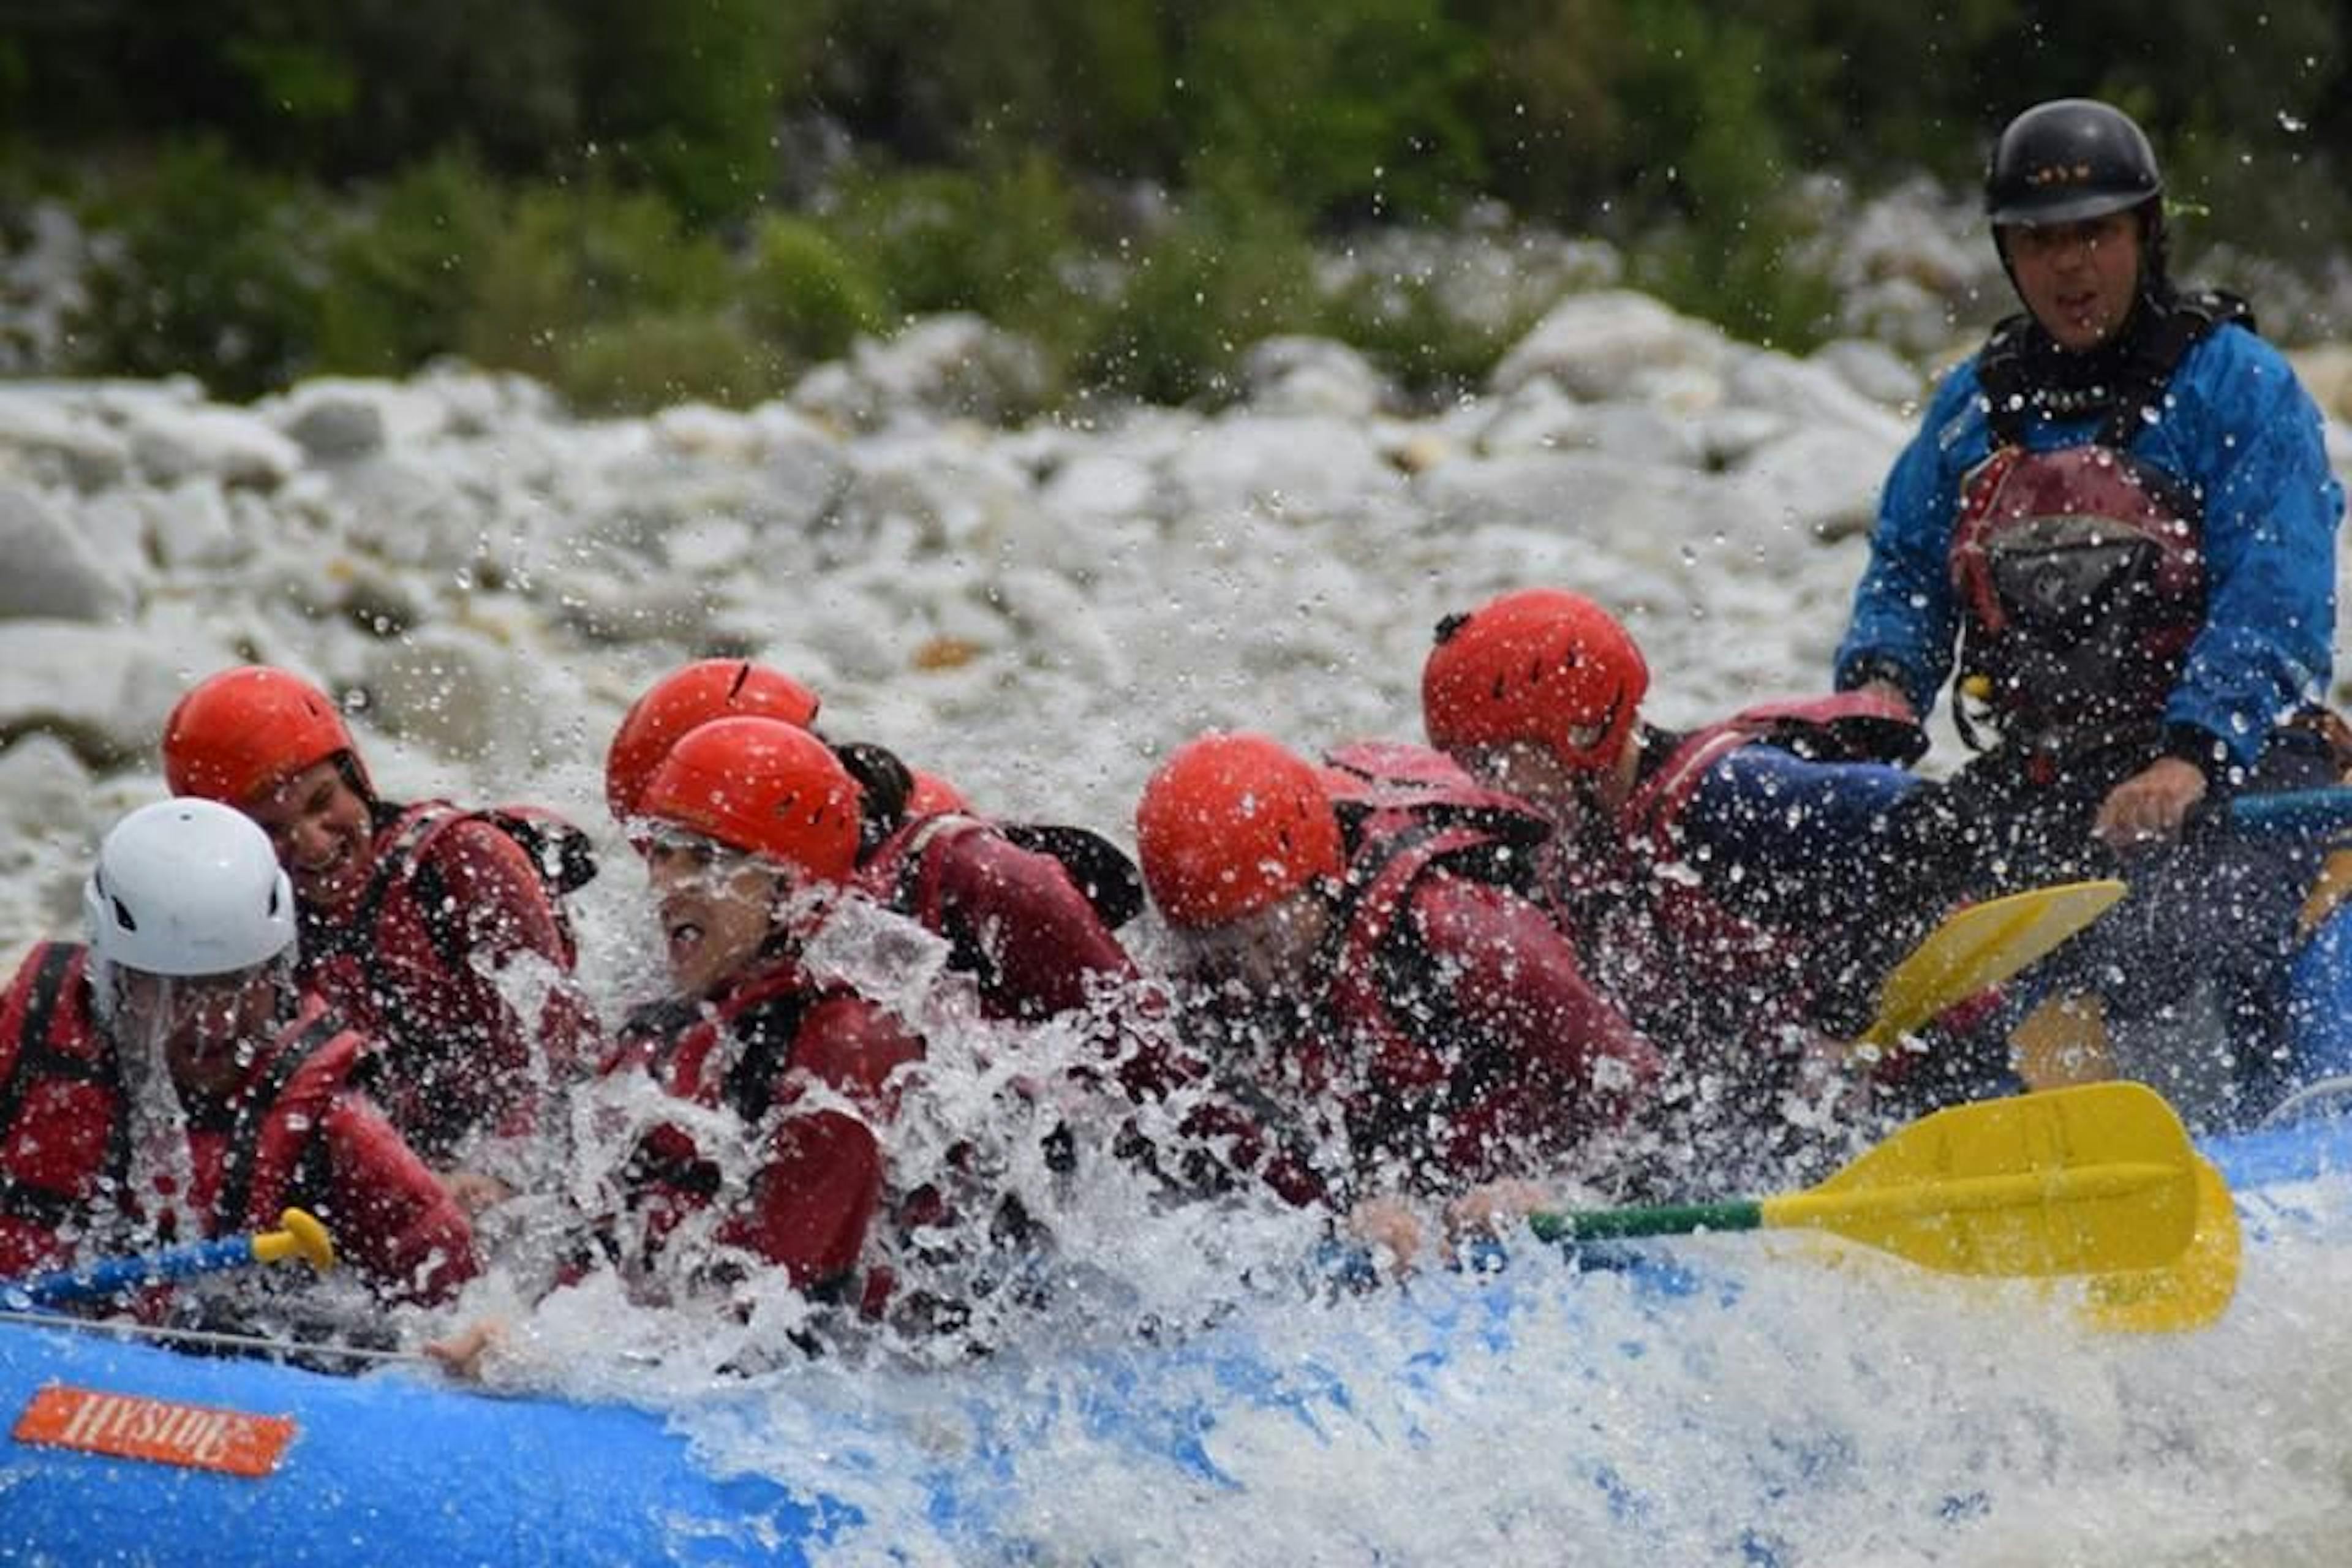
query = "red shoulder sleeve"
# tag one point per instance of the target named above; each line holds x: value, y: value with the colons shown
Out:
x: 813, y: 1199
x: 504, y: 910
x: 388, y: 1213
x: 501, y: 901
x: 1043, y: 939
x: 1520, y: 984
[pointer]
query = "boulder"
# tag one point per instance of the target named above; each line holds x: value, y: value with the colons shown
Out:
x: 53, y: 569
x: 1593, y: 345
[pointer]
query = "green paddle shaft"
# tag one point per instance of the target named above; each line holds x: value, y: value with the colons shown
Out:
x: 1670, y: 1219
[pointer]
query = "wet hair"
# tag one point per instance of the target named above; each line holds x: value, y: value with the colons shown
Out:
x: 885, y: 783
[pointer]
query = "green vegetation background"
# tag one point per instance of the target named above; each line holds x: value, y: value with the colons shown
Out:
x: 646, y: 200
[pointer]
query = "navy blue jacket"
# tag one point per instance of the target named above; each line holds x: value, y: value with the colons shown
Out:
x: 2241, y: 431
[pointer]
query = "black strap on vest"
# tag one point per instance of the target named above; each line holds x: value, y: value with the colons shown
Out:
x: 38, y: 1059
x: 2133, y: 396
x: 244, y: 1137
x: 768, y: 1031
x: 35, y: 1056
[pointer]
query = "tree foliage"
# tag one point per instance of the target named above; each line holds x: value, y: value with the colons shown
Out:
x: 359, y: 184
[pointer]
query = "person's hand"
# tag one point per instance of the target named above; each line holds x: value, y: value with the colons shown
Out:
x: 1888, y: 691
x: 473, y: 1191
x: 1390, y: 1227
x: 2149, y: 806
x: 1495, y: 1208
x: 462, y: 1353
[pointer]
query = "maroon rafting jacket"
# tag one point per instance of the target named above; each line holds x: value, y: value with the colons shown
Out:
x: 759, y: 1049
x: 1013, y: 918
x: 1456, y: 1040
x: 412, y: 960
x: 294, y: 1133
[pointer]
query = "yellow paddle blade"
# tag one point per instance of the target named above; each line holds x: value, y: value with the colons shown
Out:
x: 2093, y: 1180
x: 1983, y: 945
x: 2193, y: 1289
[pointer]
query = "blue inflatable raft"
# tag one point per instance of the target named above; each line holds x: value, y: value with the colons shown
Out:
x: 125, y: 1453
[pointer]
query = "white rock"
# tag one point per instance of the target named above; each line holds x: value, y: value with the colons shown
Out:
x: 104, y: 690
x: 333, y: 424
x: 952, y: 366
x: 1875, y: 371
x: 1100, y: 485
x: 339, y: 413
x: 228, y: 446
x: 459, y: 694
x: 1315, y: 376
x: 1592, y: 343
x: 1286, y: 466
x: 190, y: 524
x: 1810, y: 394
x: 958, y: 493
x: 412, y: 509
x: 1820, y: 479
x: 806, y: 473
x: 709, y: 546
x: 50, y: 442
x: 1061, y: 625
x: 1540, y: 418
x: 53, y: 569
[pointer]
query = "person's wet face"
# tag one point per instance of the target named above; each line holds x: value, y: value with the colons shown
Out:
x: 321, y: 827
x: 717, y: 908
x: 207, y: 1025
x: 1536, y: 774
x: 1269, y: 953
x: 2078, y: 278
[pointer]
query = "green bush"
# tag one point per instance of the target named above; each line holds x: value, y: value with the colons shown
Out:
x: 1404, y: 326
x: 804, y: 294
x: 647, y: 362
x: 404, y: 266
x: 991, y: 241
x: 568, y: 258
x: 1228, y: 271
x: 215, y: 272
x: 1288, y: 95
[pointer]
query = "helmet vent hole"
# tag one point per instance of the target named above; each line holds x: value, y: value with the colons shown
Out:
x: 123, y: 916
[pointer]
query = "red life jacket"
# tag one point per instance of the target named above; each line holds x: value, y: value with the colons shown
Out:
x: 668, y: 1177
x: 1015, y: 917
x: 2081, y: 579
x: 1688, y: 968
x: 2079, y: 573
x: 395, y: 963
x: 902, y: 875
x: 64, y: 1125
x: 1419, y: 1094
x: 1386, y: 791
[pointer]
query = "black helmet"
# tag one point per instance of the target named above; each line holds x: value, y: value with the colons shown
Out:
x: 2069, y: 159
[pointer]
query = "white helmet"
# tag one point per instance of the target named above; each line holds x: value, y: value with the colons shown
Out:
x: 187, y: 887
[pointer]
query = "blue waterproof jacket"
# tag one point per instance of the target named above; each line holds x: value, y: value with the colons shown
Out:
x: 2241, y: 432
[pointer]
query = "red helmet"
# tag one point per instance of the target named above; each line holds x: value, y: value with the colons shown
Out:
x: 933, y: 796
x: 762, y: 786
x: 239, y: 734
x: 706, y: 690
x: 1541, y: 666
x: 1229, y: 825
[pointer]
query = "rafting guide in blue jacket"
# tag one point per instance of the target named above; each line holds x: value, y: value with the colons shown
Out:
x: 2116, y: 532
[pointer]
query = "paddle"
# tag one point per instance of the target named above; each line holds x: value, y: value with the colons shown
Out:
x: 2302, y: 813
x: 1981, y: 946
x: 2095, y: 1180
x: 302, y: 1236
x: 2188, y: 1292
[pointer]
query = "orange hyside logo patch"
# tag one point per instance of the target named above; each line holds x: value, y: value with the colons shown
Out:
x: 133, y: 1426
